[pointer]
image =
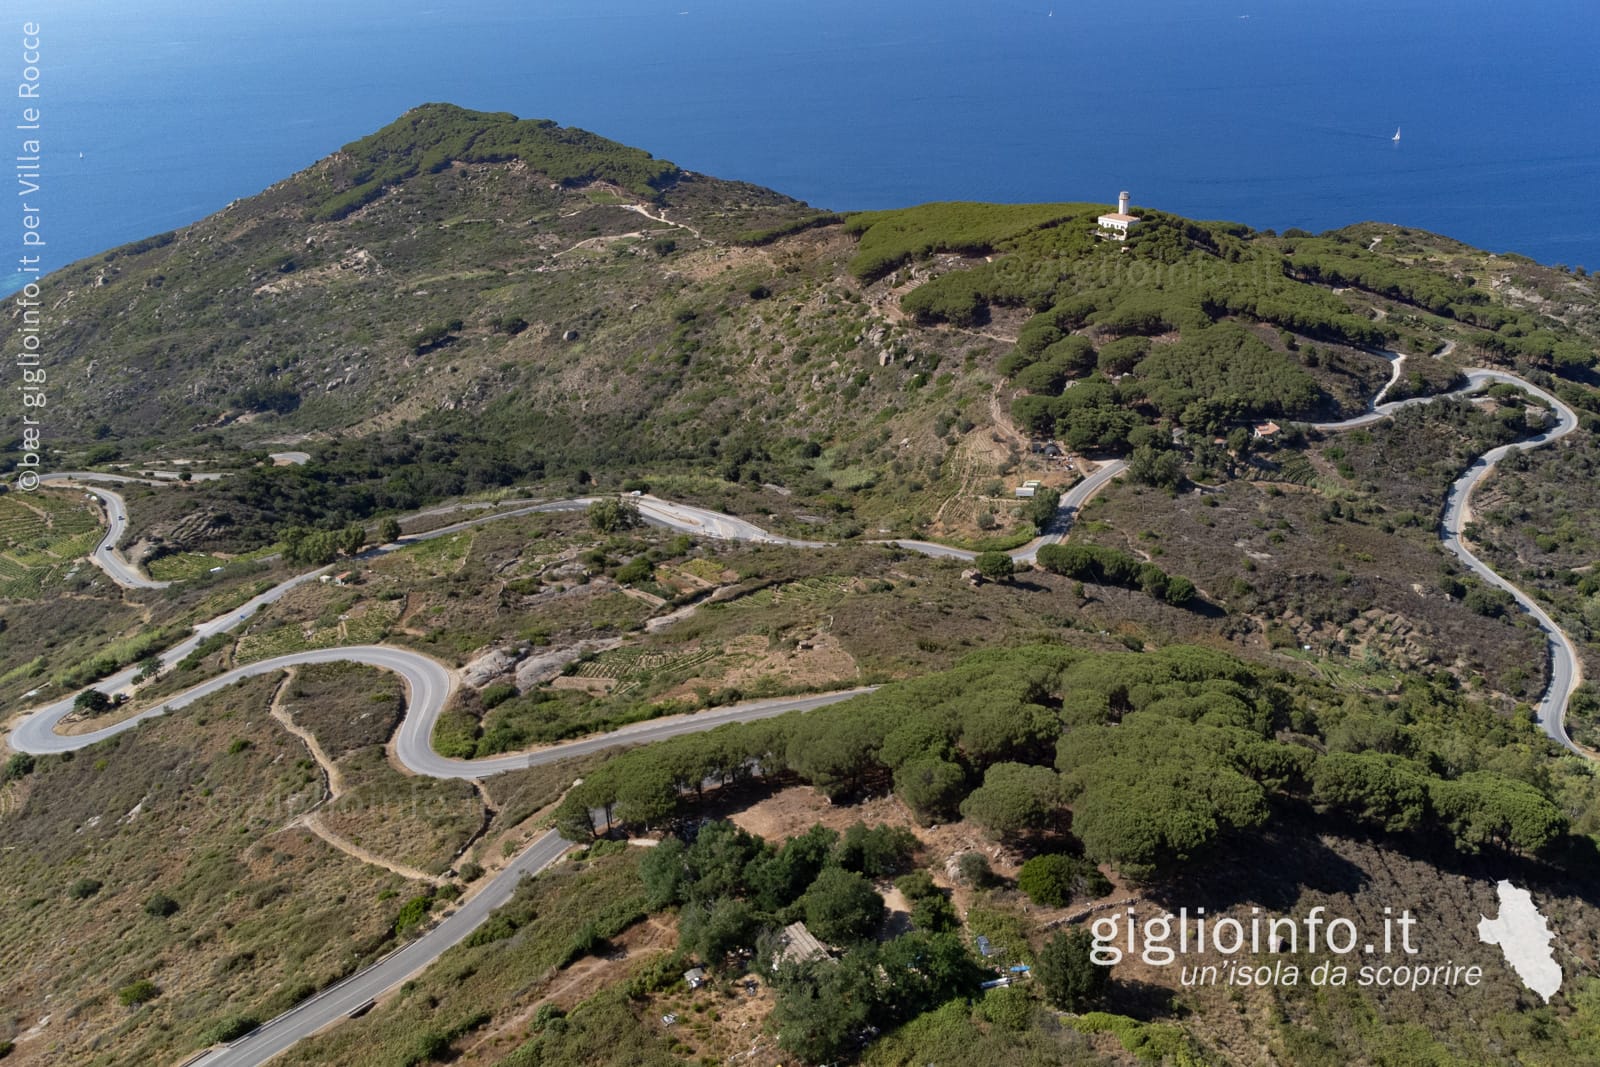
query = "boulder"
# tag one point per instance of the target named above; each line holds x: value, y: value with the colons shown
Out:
x: 487, y: 667
x: 542, y: 667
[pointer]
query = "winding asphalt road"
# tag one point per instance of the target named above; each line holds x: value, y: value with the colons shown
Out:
x: 339, y: 1000
x: 430, y: 685
x: 1565, y: 669
x: 106, y: 556
x: 1071, y: 502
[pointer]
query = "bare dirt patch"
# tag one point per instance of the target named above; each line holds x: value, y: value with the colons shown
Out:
x: 819, y: 661
x: 701, y: 266
x: 796, y: 809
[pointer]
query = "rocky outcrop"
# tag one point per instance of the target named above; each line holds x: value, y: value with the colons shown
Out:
x: 487, y: 667
x: 544, y: 666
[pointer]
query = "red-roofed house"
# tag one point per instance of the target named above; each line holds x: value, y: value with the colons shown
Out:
x: 1116, y: 224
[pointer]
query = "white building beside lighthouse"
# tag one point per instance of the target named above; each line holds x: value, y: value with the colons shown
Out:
x: 1117, y: 224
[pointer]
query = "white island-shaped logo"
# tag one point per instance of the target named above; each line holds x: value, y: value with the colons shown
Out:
x: 1524, y: 938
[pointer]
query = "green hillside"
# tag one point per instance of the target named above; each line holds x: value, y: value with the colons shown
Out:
x: 464, y: 300
x: 1252, y: 678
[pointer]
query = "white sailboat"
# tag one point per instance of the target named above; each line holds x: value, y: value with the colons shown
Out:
x: 1396, y: 137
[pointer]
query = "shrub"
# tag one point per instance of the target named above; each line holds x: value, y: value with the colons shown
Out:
x: 431, y: 1046
x: 92, y: 702
x: 20, y: 765
x: 1066, y: 974
x: 610, y: 516
x: 136, y: 993
x: 231, y: 1029
x: 1010, y: 1008
x: 412, y: 913
x: 638, y: 569
x: 471, y: 872
x: 1053, y: 880
x: 842, y: 907
x: 588, y: 941
x: 160, y: 906
x: 875, y: 852
x: 205, y: 648
x: 497, y: 694
x: 975, y: 870
x: 995, y: 566
x: 435, y: 336
x: 84, y: 888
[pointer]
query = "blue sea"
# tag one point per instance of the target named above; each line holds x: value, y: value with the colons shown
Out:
x: 1275, y: 113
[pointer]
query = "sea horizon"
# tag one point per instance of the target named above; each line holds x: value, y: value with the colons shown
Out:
x: 1274, y: 115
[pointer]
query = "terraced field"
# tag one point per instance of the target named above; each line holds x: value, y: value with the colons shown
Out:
x: 706, y: 570
x: 631, y: 668
x: 444, y: 555
x: 818, y: 590
x: 41, y: 536
x: 367, y: 626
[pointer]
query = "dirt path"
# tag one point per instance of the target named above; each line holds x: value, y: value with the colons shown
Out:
x: 1010, y: 436
x: 313, y: 821
x: 335, y: 785
x: 330, y: 770
x: 965, y: 459
x: 603, y: 239
x: 639, y: 594
x: 640, y: 209
x: 1003, y: 424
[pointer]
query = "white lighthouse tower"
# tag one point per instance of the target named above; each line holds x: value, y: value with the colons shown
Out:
x: 1116, y: 225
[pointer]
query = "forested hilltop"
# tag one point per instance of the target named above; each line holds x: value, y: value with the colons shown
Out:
x: 465, y: 300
